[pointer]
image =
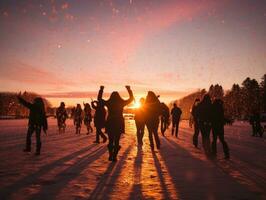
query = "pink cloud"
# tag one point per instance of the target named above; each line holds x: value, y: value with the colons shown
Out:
x: 24, y: 73
x: 127, y: 35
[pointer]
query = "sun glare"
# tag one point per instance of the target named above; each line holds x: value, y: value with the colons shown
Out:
x: 136, y: 105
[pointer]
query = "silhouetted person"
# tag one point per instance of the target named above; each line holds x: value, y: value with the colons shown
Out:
x: 256, y: 125
x: 152, y: 113
x: 115, y: 122
x: 205, y: 115
x: 176, y: 114
x: 164, y: 118
x: 140, y: 121
x: 61, y: 116
x: 99, y: 120
x: 78, y: 118
x: 195, y: 121
x: 37, y: 121
x: 218, y: 122
x: 87, y: 118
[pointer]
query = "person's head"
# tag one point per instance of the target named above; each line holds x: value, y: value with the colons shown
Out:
x: 78, y: 106
x: 87, y: 106
x: 39, y: 102
x: 62, y: 104
x: 151, y: 97
x: 174, y: 105
x: 115, y: 96
x: 206, y: 99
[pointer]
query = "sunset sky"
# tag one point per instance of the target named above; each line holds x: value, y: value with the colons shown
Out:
x: 69, y: 48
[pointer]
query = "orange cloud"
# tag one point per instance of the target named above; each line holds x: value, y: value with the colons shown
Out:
x: 24, y: 73
x: 127, y: 35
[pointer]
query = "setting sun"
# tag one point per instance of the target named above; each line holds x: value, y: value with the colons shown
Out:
x: 136, y: 104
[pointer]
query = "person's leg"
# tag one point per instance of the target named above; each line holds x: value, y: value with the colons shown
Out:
x: 58, y: 125
x: 261, y: 131
x: 64, y: 126
x: 90, y: 127
x: 173, y: 126
x: 257, y: 129
x: 102, y: 135
x: 214, y: 141
x: 208, y: 141
x: 204, y: 133
x: 161, y: 124
x: 176, y: 128
x: 157, y: 139
x: 80, y: 122
x: 138, y: 132
x: 142, y: 128
x: 164, y: 125
x: 97, y: 135
x: 38, y: 140
x: 116, y: 145
x: 150, y: 137
x: 253, y: 129
x: 110, y: 145
x: 225, y: 146
x: 28, y: 138
x: 196, y: 134
x: 76, y: 125
x: 77, y: 129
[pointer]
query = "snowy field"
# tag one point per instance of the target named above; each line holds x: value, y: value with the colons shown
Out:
x: 73, y: 167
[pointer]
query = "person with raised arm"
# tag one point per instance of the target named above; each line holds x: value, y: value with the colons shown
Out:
x: 115, y: 119
x: 37, y: 122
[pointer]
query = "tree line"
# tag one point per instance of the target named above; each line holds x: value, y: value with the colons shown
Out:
x: 240, y: 102
x: 9, y: 105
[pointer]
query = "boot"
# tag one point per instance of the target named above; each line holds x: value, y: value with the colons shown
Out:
x: 38, y: 149
x: 116, y: 150
x: 110, y: 149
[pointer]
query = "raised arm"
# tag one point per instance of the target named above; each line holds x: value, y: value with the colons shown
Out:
x: 131, y: 97
x: 100, y: 95
x: 24, y: 102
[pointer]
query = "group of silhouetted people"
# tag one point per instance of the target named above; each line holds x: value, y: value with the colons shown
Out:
x: 150, y: 113
x: 208, y: 117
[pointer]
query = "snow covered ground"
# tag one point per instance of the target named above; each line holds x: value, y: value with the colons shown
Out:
x: 73, y: 167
